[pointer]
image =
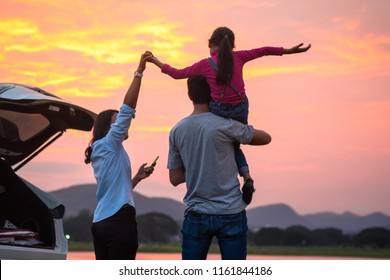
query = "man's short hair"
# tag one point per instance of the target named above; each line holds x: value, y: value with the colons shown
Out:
x: 198, y: 90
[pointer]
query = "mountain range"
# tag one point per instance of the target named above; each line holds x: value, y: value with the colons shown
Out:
x: 83, y: 197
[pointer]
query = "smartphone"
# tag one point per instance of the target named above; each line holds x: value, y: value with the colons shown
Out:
x: 154, y: 162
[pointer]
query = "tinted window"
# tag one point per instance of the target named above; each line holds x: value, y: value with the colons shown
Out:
x: 5, y: 87
x: 16, y: 126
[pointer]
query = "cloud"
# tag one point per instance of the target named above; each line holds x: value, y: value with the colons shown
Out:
x: 84, y: 56
x: 16, y: 27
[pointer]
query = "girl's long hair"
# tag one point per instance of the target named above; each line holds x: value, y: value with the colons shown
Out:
x: 100, y: 129
x: 223, y: 37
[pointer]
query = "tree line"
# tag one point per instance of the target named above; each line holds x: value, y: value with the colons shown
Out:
x: 377, y: 237
x: 160, y: 228
x: 152, y: 228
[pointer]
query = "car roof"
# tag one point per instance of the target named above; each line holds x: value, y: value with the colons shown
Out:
x: 30, y: 116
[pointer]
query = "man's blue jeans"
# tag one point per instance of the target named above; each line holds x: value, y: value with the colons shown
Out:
x: 230, y: 230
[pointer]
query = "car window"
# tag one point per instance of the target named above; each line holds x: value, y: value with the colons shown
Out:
x: 5, y: 87
x: 15, y: 126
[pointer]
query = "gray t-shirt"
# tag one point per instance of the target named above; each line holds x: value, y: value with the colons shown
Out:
x: 203, y: 145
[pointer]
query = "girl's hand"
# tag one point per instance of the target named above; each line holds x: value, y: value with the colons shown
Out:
x: 154, y: 60
x: 297, y: 49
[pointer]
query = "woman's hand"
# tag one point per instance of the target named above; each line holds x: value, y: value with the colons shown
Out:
x: 146, y: 56
x: 143, y: 172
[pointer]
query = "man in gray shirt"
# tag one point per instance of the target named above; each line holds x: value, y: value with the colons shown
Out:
x: 201, y: 153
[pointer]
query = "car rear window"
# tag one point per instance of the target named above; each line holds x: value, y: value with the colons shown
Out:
x: 15, y: 126
x: 5, y: 87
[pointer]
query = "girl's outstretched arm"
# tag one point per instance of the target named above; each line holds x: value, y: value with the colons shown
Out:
x: 297, y: 49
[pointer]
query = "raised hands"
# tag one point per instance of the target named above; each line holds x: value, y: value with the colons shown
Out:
x: 146, y: 56
x: 154, y: 60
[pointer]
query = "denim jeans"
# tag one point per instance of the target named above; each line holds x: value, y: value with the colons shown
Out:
x: 239, y: 113
x: 199, y: 230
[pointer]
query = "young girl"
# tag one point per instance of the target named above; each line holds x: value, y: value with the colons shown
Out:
x: 224, y: 74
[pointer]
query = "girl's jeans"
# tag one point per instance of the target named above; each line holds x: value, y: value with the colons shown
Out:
x: 239, y: 113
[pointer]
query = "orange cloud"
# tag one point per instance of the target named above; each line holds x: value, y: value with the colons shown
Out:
x: 80, y: 56
x: 164, y: 41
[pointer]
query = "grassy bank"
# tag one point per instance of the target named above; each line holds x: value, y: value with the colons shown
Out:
x: 377, y: 253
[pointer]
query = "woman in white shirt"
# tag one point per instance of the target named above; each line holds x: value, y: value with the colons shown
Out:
x: 114, y: 226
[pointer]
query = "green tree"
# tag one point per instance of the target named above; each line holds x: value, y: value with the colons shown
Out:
x: 328, y: 237
x: 157, y: 228
x: 271, y: 236
x: 79, y: 227
x: 297, y: 236
x: 374, y: 237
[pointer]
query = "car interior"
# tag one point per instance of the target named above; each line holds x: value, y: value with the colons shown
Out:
x: 21, y: 208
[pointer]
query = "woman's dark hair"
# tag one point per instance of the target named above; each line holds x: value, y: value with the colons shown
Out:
x: 100, y: 129
x: 223, y: 37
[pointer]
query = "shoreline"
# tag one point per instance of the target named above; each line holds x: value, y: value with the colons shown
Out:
x: 89, y: 255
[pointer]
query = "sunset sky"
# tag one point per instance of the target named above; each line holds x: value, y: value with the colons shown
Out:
x: 328, y: 110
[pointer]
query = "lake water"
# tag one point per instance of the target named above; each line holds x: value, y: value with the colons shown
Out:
x: 177, y: 256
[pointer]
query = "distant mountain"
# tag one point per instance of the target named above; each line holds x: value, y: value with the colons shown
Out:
x: 347, y: 221
x: 77, y: 198
x: 80, y: 197
x: 275, y: 215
